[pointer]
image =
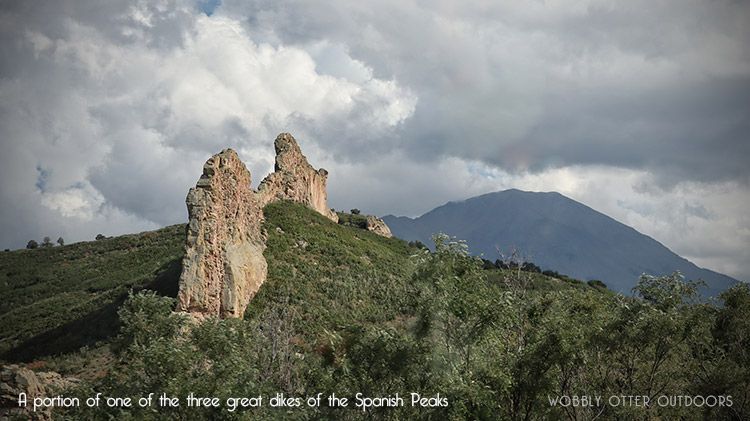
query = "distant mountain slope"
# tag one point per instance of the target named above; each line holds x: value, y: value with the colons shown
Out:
x: 556, y: 233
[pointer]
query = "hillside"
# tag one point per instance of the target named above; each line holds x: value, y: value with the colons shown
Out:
x: 59, y: 299
x: 556, y: 233
x: 330, y: 275
x: 346, y: 311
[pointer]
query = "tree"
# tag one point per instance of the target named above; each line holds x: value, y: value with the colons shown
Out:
x: 645, y: 342
x: 32, y: 244
x: 46, y: 242
x: 100, y: 237
x: 461, y: 304
x: 724, y: 359
x: 667, y: 292
x: 60, y: 241
x: 355, y: 211
x: 531, y: 267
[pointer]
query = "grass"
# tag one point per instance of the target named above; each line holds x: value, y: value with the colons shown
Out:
x: 321, y: 276
x: 58, y: 299
x: 331, y: 275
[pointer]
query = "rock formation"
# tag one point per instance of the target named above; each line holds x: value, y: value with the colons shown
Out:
x: 15, y: 380
x: 223, y: 265
x: 295, y: 179
x: 378, y: 226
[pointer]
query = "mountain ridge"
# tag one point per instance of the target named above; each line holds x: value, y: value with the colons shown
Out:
x: 557, y: 233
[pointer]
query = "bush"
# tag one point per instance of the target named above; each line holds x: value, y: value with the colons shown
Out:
x: 355, y: 211
x: 530, y: 267
x: 666, y: 292
x: 32, y: 244
x: 100, y: 237
x: 597, y: 283
x: 352, y: 220
x: 418, y: 244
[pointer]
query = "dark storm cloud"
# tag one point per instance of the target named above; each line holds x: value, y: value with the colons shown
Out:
x: 661, y: 86
x: 696, y: 132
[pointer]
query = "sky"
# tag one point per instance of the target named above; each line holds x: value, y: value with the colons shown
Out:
x: 639, y: 109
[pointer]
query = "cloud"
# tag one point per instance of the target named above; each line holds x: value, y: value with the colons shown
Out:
x: 707, y: 224
x: 558, y: 92
x: 662, y: 86
x: 638, y: 109
x: 106, y: 123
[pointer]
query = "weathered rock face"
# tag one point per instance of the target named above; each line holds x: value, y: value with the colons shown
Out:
x: 223, y: 265
x: 295, y: 179
x: 15, y: 380
x: 378, y: 226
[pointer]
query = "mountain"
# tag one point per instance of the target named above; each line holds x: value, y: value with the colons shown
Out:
x: 556, y: 233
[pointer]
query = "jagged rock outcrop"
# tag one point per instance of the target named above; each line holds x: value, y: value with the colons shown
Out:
x: 15, y: 380
x: 295, y: 179
x: 378, y: 226
x: 223, y: 265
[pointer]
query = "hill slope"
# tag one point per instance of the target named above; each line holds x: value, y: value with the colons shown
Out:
x: 346, y: 311
x: 59, y: 299
x: 556, y: 233
x: 56, y: 300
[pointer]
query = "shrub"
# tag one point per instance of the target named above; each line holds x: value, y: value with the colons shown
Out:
x: 597, y: 283
x: 530, y: 267
x: 417, y: 244
x: 32, y: 244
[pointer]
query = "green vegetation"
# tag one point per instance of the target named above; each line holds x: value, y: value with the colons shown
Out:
x: 352, y: 219
x: 334, y: 274
x: 57, y: 299
x: 346, y: 311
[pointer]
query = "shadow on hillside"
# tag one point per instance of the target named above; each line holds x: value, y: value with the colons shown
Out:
x: 98, y: 325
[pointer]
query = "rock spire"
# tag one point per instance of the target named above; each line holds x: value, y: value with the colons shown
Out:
x: 295, y: 179
x: 223, y: 266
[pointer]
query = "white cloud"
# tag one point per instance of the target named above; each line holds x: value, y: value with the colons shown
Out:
x: 102, y: 130
x: 74, y: 202
x: 637, y: 109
